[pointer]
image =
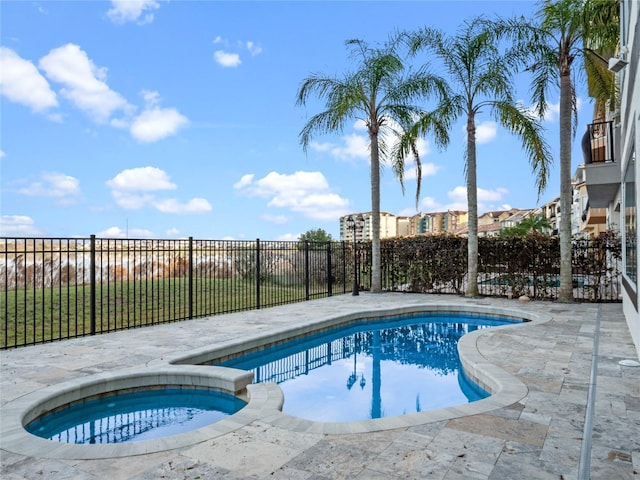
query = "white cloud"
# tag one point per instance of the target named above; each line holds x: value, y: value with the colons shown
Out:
x: 254, y: 49
x: 488, y: 200
x: 428, y: 170
x: 141, y: 179
x: 171, y: 205
x: 459, y: 193
x: 117, y: 232
x: 157, y: 123
x: 307, y: 193
x: 83, y: 83
x: 151, y: 97
x: 321, y: 147
x: 173, y: 232
x: 288, y: 237
x: 64, y: 188
x: 553, y: 110
x: 132, y: 201
x: 294, y: 185
x: 226, y: 59
x: 486, y: 131
x: 131, y: 190
x: 354, y: 146
x: 244, y: 181
x: 430, y: 204
x: 277, y: 219
x: 140, y: 11
x: 407, y: 212
x: 22, y: 83
x: 2, y: 154
x: 18, y: 226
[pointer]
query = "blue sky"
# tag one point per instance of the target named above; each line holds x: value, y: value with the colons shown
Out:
x: 169, y: 119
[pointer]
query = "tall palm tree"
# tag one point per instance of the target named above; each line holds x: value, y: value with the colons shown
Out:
x: 481, y: 79
x: 553, y: 44
x: 379, y: 92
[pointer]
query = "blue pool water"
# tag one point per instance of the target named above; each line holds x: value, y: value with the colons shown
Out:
x: 381, y: 368
x: 135, y: 416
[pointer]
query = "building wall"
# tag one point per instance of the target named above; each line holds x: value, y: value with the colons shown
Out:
x: 630, y: 143
x: 404, y: 227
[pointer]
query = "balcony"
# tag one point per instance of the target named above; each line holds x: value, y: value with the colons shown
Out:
x: 596, y: 216
x: 602, y: 172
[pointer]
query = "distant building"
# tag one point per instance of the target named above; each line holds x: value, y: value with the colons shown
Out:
x: 517, y: 217
x: 551, y: 211
x: 404, y: 227
x: 388, y: 226
x: 431, y: 223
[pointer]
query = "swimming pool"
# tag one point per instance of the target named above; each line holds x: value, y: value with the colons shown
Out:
x: 373, y: 369
x: 185, y: 366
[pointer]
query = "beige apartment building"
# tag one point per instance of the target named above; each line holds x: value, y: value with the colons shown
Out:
x: 436, y: 223
x: 585, y: 219
x: 364, y: 226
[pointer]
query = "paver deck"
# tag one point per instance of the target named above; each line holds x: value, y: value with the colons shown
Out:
x: 539, y: 436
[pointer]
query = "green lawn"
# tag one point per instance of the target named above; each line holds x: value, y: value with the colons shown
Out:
x: 41, y: 315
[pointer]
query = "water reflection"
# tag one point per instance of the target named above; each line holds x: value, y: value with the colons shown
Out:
x: 135, y: 416
x: 407, y: 367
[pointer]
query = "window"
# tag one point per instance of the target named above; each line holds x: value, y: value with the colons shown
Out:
x: 630, y: 220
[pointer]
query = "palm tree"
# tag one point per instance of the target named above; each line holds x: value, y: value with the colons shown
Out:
x: 553, y: 45
x: 480, y: 77
x: 532, y: 223
x: 379, y: 93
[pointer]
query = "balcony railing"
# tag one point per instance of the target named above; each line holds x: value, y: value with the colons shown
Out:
x: 599, y: 145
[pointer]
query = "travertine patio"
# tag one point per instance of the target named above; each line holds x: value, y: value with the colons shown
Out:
x: 540, y: 435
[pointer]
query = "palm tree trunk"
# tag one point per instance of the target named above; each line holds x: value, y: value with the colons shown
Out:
x: 472, y: 204
x: 376, y: 280
x: 566, y: 192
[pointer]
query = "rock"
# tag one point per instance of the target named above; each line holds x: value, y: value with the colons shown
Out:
x: 524, y: 299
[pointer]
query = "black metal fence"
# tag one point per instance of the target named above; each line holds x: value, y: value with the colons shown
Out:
x: 54, y: 288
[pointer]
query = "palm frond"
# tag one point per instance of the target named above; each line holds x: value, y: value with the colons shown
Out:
x: 527, y: 127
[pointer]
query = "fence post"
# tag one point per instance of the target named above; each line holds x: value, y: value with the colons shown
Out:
x: 257, y: 273
x: 92, y: 284
x: 344, y: 267
x: 329, y: 273
x: 306, y: 269
x: 190, y: 278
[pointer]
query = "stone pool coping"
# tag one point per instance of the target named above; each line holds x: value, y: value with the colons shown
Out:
x: 264, y: 400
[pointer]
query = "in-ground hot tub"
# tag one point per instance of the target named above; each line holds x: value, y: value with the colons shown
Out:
x: 137, y: 414
x: 227, y: 384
